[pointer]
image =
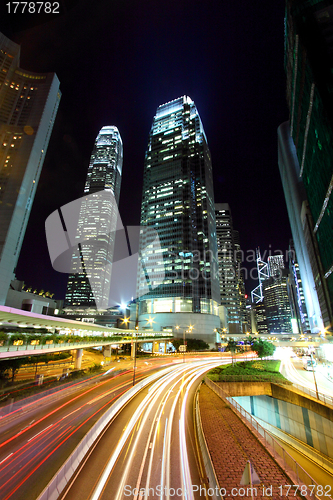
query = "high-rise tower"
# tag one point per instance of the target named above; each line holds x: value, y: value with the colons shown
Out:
x: 178, y: 202
x: 230, y: 275
x: 309, y: 69
x: 28, y: 107
x: 307, y: 255
x: 97, y: 215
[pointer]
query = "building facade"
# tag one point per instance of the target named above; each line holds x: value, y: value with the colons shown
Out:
x: 232, y: 288
x: 28, y: 108
x: 307, y: 256
x: 296, y: 293
x: 178, y: 202
x: 276, y: 297
x: 309, y: 69
x: 97, y: 221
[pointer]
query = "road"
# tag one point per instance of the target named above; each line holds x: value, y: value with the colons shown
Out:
x: 292, y: 369
x: 150, y: 450
x: 34, y: 445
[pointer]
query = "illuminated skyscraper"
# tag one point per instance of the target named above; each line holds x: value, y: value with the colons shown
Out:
x: 307, y: 256
x: 178, y: 202
x: 28, y: 107
x: 96, y: 217
x: 276, y: 298
x: 229, y: 260
x: 309, y: 69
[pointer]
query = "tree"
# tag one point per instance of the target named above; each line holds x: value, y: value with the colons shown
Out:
x: 232, y: 347
x: 192, y: 344
x: 263, y: 348
x: 11, y: 364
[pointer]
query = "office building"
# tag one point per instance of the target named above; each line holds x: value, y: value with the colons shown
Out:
x: 260, y: 325
x: 309, y: 70
x: 178, y: 202
x: 232, y: 288
x: 296, y: 293
x: 28, y: 107
x: 276, y: 298
x: 97, y: 216
x: 307, y: 255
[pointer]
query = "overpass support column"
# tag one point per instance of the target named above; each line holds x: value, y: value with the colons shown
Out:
x: 156, y: 347
x: 78, y: 359
x: 133, y: 348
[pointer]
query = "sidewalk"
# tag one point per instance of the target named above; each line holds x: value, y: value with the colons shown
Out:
x: 231, y: 445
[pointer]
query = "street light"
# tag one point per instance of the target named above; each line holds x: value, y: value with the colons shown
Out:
x: 314, y: 376
x: 134, y: 347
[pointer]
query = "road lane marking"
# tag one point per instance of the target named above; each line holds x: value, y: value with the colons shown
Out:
x: 77, y: 409
x: 10, y: 454
x: 39, y: 433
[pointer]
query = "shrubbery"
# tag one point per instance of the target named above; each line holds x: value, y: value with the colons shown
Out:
x: 248, y: 370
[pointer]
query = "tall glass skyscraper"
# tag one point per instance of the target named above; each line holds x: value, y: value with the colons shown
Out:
x: 28, y: 107
x: 178, y: 202
x: 309, y: 69
x: 231, y: 279
x: 96, y: 225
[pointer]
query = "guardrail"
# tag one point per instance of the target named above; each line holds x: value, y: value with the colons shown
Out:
x: 249, y: 378
x: 302, y: 477
x: 327, y: 400
x: 75, y: 345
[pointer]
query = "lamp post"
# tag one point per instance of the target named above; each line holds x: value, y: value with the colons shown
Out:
x: 314, y: 376
x: 134, y: 343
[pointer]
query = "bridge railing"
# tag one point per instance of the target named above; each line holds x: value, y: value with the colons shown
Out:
x: 324, y: 398
x: 290, y: 465
x: 76, y: 345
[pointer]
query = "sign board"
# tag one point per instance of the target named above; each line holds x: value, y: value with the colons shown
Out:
x: 182, y: 348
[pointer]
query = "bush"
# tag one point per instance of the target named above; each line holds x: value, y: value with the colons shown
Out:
x: 251, y: 370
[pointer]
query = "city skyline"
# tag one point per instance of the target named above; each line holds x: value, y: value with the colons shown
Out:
x: 239, y: 89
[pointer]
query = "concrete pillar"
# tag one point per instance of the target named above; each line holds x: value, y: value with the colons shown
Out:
x: 156, y: 347
x: 78, y: 359
x: 107, y: 351
x: 164, y: 347
x: 133, y: 346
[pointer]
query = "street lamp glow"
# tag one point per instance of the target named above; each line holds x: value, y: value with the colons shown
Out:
x: 150, y: 321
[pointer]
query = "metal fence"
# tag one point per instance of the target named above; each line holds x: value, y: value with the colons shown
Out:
x: 251, y: 378
x: 328, y: 400
x: 302, y: 477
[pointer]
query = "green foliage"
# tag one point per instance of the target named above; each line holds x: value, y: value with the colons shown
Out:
x: 263, y: 348
x: 10, y: 365
x: 95, y: 368
x: 192, y: 344
x: 248, y: 370
x: 233, y: 347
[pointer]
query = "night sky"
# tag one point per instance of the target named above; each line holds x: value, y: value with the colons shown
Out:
x: 117, y: 61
